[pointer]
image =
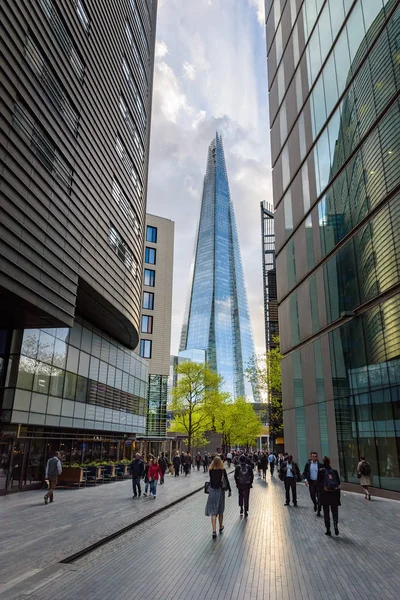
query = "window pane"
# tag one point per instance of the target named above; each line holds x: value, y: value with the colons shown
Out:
x: 151, y: 234
x: 150, y: 256
x: 145, y: 348
x: 148, y: 300
x: 147, y: 324
x: 149, y: 277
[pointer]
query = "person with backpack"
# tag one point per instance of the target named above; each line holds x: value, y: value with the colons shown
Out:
x: 264, y: 465
x: 329, y: 481
x: 136, y: 471
x: 53, y: 470
x: 290, y: 474
x: 244, y: 477
x: 364, y: 474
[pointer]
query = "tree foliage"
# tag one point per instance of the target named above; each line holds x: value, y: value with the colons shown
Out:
x: 195, y: 401
x: 264, y: 372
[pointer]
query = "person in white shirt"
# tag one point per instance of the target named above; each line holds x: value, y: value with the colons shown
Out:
x: 229, y: 459
x: 53, y: 470
x: 272, y: 462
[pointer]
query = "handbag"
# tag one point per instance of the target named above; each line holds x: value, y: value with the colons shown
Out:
x: 206, y: 486
x: 225, y: 482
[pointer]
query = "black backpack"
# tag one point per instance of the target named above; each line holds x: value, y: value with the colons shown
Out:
x: 365, y: 469
x: 244, y: 477
x: 331, y: 480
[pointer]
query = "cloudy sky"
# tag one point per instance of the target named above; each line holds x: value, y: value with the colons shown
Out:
x: 210, y: 74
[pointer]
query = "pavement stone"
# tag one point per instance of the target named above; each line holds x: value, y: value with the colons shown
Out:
x: 277, y: 553
x: 76, y: 519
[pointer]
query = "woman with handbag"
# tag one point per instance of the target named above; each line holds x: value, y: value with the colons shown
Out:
x: 154, y: 473
x: 216, y: 488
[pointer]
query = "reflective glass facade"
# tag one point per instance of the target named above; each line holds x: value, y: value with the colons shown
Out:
x: 217, y: 318
x: 334, y: 76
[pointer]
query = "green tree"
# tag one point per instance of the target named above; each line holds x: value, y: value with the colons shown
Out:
x: 264, y: 372
x: 194, y: 399
x: 244, y: 426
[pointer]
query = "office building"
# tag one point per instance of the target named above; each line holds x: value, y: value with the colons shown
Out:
x: 155, y: 328
x: 217, y: 317
x: 333, y: 70
x: 269, y: 276
x: 75, y: 105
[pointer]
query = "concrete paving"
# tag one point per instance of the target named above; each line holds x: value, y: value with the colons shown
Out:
x: 276, y: 553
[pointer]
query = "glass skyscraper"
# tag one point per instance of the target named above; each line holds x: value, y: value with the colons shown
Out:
x: 217, y: 316
x: 334, y: 81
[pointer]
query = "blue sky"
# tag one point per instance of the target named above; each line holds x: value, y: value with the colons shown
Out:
x: 210, y: 74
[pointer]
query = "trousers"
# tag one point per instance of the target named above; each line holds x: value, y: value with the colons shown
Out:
x: 136, y: 486
x: 335, y: 514
x: 290, y: 484
x: 52, y: 487
x: 244, y: 496
x: 314, y: 494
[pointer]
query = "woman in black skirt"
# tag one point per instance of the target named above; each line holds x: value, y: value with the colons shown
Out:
x: 219, y: 483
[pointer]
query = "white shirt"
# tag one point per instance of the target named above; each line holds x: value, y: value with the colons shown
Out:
x: 271, y: 458
x: 289, y: 470
x: 314, y: 471
x: 229, y: 455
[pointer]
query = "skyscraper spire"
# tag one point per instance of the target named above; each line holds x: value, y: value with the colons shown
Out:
x: 217, y: 316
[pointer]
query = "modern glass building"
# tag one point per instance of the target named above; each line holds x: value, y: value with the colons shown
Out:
x: 75, y: 107
x: 334, y: 80
x: 217, y: 316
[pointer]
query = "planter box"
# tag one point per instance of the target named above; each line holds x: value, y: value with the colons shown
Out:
x: 121, y: 471
x: 73, y: 475
x: 109, y: 470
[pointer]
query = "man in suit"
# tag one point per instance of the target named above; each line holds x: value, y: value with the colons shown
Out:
x: 311, y: 474
x: 291, y: 473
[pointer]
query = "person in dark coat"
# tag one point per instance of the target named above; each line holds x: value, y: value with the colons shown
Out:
x: 216, y: 494
x: 163, y: 463
x: 329, y: 482
x: 264, y: 465
x: 310, y: 473
x: 244, y: 477
x: 177, y: 464
x: 291, y: 474
x: 136, y: 470
x: 206, y: 462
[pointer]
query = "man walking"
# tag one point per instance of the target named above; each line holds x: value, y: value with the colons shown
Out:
x: 272, y: 461
x: 206, y: 462
x: 311, y: 474
x: 163, y: 464
x: 229, y: 459
x: 53, y: 470
x: 136, y: 470
x: 264, y: 465
x: 291, y: 473
x: 197, y: 460
x: 244, y: 477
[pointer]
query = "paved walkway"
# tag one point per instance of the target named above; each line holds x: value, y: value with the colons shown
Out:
x: 278, y: 553
x: 34, y: 536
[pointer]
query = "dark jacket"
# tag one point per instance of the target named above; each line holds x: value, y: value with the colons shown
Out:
x: 295, y: 469
x: 331, y: 498
x: 236, y: 476
x: 177, y: 463
x: 216, y: 478
x: 136, y: 468
x: 163, y: 462
x: 306, y: 472
x: 264, y: 461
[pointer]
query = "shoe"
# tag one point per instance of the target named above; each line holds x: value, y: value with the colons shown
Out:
x: 315, y: 508
x: 144, y: 494
x: 222, y: 528
x: 287, y: 504
x: 139, y: 494
x: 336, y: 529
x: 369, y: 496
x: 134, y: 496
x: 241, y: 511
x: 319, y: 513
x: 214, y: 534
x: 154, y: 496
x: 328, y: 532
x: 51, y: 499
x: 246, y: 514
x: 46, y: 499
x: 294, y: 503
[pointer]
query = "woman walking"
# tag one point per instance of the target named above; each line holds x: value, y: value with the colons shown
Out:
x: 329, y: 486
x: 153, y: 475
x: 364, y: 474
x: 219, y: 484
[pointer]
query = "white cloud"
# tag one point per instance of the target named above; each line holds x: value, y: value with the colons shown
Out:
x: 189, y: 71
x: 260, y: 7
x: 228, y: 94
x: 161, y: 49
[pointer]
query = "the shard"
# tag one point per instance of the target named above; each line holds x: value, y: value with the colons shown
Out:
x: 217, y: 316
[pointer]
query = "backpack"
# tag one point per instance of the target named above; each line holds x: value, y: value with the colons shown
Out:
x: 365, y: 468
x: 244, y: 475
x: 331, y: 480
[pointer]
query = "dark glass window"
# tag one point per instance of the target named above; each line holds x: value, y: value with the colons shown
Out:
x: 148, y: 300
x: 150, y: 256
x: 145, y: 348
x: 149, y: 277
x: 151, y: 234
x: 147, y: 324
